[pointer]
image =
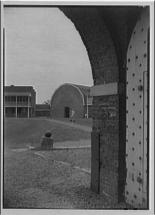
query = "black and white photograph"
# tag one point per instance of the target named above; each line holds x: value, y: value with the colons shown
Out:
x: 76, y: 97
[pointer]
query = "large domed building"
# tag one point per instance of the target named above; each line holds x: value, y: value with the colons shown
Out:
x: 69, y: 99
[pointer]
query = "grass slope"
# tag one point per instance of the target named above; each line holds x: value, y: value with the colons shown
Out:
x: 32, y: 181
x: 21, y: 132
x: 81, y: 121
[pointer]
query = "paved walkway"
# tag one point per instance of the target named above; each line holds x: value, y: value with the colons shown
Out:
x: 73, y: 125
x: 76, y: 144
x: 60, y: 146
x: 71, y: 147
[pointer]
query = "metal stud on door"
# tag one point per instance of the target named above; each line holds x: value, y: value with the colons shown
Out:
x: 136, y: 114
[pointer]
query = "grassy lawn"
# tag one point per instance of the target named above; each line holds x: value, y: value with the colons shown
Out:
x: 86, y: 122
x: 75, y: 157
x: 31, y: 181
x: 19, y: 133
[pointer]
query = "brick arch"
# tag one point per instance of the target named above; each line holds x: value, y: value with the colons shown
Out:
x: 105, y: 69
x: 97, y: 40
x: 105, y: 33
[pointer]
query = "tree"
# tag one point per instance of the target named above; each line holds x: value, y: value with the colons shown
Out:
x: 48, y: 102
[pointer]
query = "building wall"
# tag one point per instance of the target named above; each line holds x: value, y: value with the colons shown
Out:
x: 108, y: 127
x: 42, y: 110
x: 42, y: 113
x: 67, y: 96
x: 33, y: 93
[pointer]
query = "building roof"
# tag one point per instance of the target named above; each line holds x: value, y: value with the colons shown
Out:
x: 84, y: 89
x: 86, y: 92
x: 13, y: 88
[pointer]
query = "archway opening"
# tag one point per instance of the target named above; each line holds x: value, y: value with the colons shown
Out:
x: 43, y: 51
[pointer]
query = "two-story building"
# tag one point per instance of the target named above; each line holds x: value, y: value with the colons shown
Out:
x: 19, y: 101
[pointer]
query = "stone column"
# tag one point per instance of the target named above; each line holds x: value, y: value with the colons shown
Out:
x: 28, y: 114
x: 87, y: 106
x: 16, y: 107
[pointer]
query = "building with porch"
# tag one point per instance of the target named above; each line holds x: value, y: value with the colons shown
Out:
x: 19, y: 101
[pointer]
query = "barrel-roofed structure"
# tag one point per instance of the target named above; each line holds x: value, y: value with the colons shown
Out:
x: 71, y: 99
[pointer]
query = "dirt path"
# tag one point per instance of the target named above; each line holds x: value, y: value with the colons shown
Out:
x: 73, y: 144
x: 41, y: 182
x: 37, y: 180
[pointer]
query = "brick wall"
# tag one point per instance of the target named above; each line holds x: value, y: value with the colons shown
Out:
x: 106, y: 121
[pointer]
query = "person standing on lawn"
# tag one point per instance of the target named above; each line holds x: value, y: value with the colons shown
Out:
x: 72, y: 115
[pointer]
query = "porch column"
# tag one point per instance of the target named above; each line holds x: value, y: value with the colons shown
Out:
x: 28, y: 114
x: 16, y: 107
x: 87, y: 107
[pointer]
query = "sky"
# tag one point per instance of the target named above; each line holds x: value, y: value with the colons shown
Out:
x: 44, y: 49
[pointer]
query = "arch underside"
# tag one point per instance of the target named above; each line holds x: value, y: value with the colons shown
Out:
x: 105, y: 32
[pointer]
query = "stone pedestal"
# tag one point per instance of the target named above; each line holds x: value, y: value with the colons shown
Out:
x: 47, y: 143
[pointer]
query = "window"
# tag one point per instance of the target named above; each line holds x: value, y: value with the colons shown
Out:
x: 13, y: 98
x: 10, y: 98
x: 22, y: 99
